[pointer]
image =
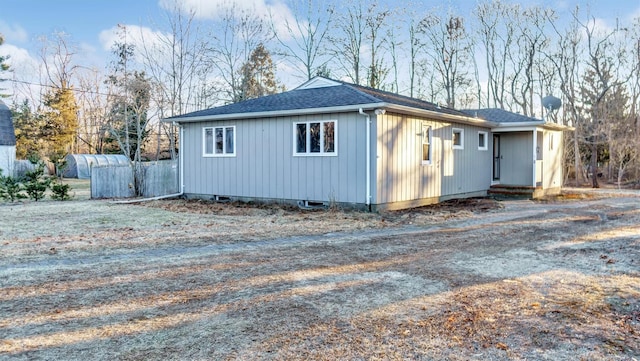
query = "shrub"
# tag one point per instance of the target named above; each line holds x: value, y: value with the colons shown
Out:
x: 60, y: 191
x: 11, y: 189
x: 36, y: 183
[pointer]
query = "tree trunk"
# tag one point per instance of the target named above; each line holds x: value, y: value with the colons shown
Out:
x: 594, y: 166
x: 576, y: 160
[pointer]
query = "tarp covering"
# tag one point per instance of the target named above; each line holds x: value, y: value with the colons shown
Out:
x: 79, y: 165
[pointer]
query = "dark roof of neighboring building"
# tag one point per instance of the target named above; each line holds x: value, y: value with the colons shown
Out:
x: 341, y: 94
x: 7, y: 135
x: 500, y: 116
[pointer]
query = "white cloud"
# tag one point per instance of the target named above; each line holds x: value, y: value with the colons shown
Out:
x: 600, y: 26
x: 13, y: 34
x: 216, y: 9
x: 139, y: 36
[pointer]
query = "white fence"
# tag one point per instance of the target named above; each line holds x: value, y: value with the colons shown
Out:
x: 156, y: 179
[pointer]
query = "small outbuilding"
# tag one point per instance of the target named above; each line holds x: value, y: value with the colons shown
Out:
x: 7, y: 141
x: 79, y: 165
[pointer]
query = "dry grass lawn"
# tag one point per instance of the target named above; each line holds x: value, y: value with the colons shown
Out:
x: 192, y: 280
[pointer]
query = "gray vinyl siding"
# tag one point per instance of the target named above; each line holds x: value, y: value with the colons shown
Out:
x: 516, y: 165
x: 265, y: 168
x: 400, y: 174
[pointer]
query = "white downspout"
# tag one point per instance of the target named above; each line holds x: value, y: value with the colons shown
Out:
x: 368, y: 158
x: 535, y: 155
x: 181, y: 158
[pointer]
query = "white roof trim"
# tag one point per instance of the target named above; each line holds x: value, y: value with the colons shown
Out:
x: 318, y: 82
x: 528, y: 126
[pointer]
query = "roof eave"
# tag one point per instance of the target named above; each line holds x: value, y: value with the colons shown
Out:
x: 526, y: 126
x: 275, y: 113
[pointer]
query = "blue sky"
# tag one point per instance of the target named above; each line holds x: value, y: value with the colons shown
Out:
x: 89, y: 22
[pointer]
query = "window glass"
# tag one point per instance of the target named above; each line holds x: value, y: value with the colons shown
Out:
x: 426, y: 144
x: 208, y: 141
x: 483, y: 138
x: 329, y: 140
x: 458, y: 138
x: 314, y: 137
x: 219, y: 141
x: 301, y: 138
x: 229, y: 146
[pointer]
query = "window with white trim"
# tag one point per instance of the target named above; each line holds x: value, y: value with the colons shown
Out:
x: 316, y: 138
x: 219, y: 141
x: 426, y: 144
x: 457, y: 137
x: 483, y: 138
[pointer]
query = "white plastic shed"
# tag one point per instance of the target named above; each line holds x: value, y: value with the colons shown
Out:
x: 79, y: 165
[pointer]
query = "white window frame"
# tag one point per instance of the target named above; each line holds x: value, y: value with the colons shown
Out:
x: 429, y: 138
x: 486, y: 141
x: 461, y: 132
x: 224, y: 142
x: 322, y: 152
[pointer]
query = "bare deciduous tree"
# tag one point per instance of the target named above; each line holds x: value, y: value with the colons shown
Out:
x: 305, y: 40
x: 449, y: 49
x: 234, y: 37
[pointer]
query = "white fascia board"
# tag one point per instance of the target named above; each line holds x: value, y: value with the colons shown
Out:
x: 515, y: 127
x: 278, y: 113
x: 528, y: 126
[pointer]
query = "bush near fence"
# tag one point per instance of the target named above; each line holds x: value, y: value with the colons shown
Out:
x: 158, y: 179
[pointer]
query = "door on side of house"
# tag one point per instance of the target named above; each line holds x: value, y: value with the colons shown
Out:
x: 496, y: 157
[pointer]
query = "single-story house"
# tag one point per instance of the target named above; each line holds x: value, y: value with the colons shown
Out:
x: 7, y: 141
x: 331, y: 142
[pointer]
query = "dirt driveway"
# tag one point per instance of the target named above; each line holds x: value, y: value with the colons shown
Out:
x: 473, y: 280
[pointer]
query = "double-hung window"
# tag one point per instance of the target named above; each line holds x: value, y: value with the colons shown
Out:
x: 316, y: 138
x: 426, y: 144
x: 219, y: 141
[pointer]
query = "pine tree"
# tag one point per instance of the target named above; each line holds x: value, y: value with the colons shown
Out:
x: 28, y: 128
x: 258, y: 76
x: 61, y: 122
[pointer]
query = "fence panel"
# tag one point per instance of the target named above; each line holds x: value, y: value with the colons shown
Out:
x: 112, y: 182
x: 117, y: 181
x: 159, y: 178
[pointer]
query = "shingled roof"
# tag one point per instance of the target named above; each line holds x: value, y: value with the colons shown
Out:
x: 500, y: 116
x: 7, y: 135
x: 337, y: 95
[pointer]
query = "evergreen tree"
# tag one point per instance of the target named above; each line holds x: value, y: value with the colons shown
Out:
x: 28, y: 129
x: 258, y: 76
x: 35, y: 181
x: 60, y: 122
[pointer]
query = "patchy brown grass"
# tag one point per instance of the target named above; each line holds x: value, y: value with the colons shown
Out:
x: 182, y: 279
